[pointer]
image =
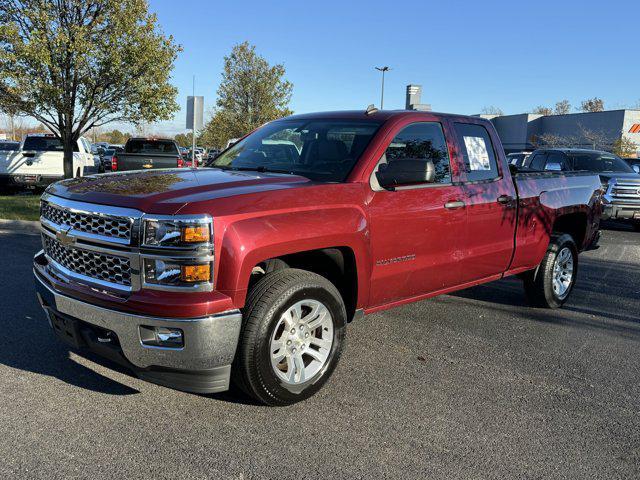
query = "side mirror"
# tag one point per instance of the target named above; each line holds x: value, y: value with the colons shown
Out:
x: 553, y: 167
x: 405, y: 171
x: 636, y: 168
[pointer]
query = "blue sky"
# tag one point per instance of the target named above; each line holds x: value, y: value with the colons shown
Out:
x: 466, y: 54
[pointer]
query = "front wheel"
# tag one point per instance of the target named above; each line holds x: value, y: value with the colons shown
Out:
x: 292, y: 337
x: 550, y: 284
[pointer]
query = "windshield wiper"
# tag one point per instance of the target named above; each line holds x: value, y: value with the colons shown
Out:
x: 257, y: 168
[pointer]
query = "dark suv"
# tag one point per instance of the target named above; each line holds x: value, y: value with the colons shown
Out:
x: 620, y: 182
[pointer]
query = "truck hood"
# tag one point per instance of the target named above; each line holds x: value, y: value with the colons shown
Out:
x: 167, y: 191
x: 606, y: 176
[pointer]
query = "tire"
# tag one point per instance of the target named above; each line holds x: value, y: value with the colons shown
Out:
x: 539, y: 283
x: 267, y: 323
x: 636, y: 225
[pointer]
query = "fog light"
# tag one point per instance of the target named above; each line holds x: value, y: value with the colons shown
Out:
x: 196, y: 273
x: 161, y: 337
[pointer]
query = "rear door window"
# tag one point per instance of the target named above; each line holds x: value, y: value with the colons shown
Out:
x: 151, y: 147
x: 480, y: 162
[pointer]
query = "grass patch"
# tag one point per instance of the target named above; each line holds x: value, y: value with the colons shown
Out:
x: 20, y: 207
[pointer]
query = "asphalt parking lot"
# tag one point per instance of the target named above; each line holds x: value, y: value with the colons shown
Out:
x: 470, y: 385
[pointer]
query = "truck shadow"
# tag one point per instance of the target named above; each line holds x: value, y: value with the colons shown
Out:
x: 31, y: 345
x: 600, y: 299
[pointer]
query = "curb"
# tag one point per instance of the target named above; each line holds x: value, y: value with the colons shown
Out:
x: 20, y: 226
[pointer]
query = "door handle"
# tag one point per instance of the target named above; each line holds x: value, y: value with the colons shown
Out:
x: 454, y: 205
x: 505, y: 199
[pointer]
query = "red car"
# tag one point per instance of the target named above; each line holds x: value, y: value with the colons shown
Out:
x: 252, y: 269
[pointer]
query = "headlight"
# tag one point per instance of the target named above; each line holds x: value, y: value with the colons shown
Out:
x: 178, y: 232
x: 176, y: 273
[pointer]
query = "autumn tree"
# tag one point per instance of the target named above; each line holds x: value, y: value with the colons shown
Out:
x: 74, y: 65
x: 625, y: 148
x: 594, y: 104
x: 252, y: 92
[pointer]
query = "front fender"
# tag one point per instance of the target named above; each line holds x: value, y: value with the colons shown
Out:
x: 250, y: 241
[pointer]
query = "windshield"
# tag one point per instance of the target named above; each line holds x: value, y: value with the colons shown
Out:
x: 599, y: 162
x: 321, y: 150
x: 151, y: 147
x: 43, y: 144
x: 4, y: 146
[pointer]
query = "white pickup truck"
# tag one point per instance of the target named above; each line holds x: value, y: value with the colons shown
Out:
x: 39, y: 161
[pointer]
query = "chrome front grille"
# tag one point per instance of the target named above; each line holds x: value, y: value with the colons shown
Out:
x: 625, y: 190
x: 95, y: 265
x: 95, y: 224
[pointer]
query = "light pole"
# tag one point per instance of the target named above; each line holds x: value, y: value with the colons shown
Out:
x: 383, y: 70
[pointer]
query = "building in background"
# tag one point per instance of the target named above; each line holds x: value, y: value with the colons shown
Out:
x: 414, y: 99
x: 598, y: 130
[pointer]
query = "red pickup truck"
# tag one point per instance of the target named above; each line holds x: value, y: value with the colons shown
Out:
x: 250, y: 270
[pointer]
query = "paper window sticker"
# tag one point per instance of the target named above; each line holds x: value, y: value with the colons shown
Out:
x: 478, y: 154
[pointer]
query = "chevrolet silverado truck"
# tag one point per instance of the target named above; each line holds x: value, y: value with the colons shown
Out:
x: 40, y: 161
x: 250, y: 270
x: 147, y: 153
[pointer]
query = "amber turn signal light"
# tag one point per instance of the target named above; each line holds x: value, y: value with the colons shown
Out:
x: 197, y: 234
x: 195, y: 273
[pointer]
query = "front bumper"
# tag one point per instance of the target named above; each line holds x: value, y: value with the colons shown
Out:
x: 621, y: 212
x: 202, y: 365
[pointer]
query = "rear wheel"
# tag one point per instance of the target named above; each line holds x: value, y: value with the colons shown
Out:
x: 550, y: 284
x: 292, y: 337
x: 636, y: 225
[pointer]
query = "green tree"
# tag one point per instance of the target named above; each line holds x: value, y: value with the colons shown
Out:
x: 252, y: 93
x: 184, y: 139
x: 116, y: 137
x: 78, y: 64
x: 594, y: 104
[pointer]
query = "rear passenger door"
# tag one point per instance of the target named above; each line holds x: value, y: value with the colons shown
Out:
x: 416, y: 227
x: 490, y: 202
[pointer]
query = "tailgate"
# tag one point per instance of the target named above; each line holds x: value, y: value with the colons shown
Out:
x: 37, y: 163
x: 141, y: 161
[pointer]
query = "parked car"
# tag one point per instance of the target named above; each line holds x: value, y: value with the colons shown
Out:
x: 107, y: 159
x: 39, y: 161
x: 634, y: 163
x: 212, y: 154
x: 518, y: 159
x: 9, y: 146
x: 147, y: 153
x: 620, y: 182
x: 253, y: 268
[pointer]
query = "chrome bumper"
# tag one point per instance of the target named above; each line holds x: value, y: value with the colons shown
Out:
x: 209, y: 342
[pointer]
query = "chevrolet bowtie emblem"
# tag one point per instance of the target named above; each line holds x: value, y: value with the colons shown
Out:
x: 64, y: 237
